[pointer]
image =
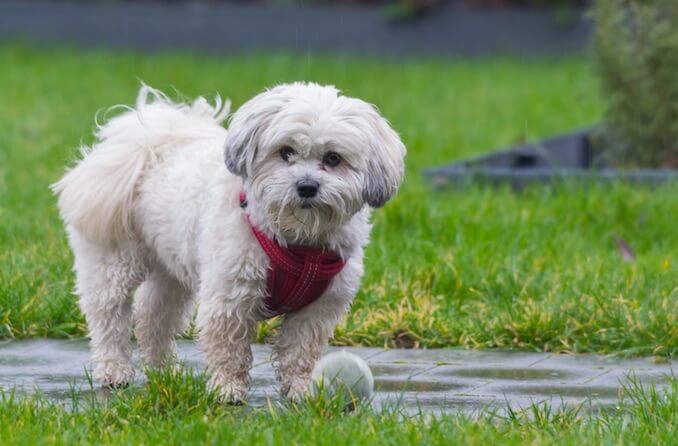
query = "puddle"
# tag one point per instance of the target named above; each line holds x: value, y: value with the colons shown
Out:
x: 563, y: 391
x: 395, y: 370
x: 413, y: 404
x: 647, y: 379
x: 18, y: 361
x: 414, y: 386
x: 510, y: 374
x: 460, y: 356
x: 263, y: 381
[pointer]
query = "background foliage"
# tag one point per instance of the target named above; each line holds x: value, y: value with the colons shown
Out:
x: 636, y: 48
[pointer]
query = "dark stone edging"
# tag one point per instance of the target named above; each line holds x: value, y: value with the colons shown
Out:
x: 563, y: 158
x: 446, y: 177
x: 226, y: 28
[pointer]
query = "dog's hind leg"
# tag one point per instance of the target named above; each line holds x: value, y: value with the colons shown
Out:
x: 161, y: 311
x: 106, y: 279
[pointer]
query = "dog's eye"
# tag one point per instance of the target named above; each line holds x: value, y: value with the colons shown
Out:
x: 331, y: 159
x: 286, y: 152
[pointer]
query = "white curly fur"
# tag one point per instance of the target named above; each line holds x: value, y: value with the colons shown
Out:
x: 151, y: 207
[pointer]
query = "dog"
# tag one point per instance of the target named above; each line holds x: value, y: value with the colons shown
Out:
x: 156, y: 222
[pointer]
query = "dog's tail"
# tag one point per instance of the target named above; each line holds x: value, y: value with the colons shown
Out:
x: 96, y: 195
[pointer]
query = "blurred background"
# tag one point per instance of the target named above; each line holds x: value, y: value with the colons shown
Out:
x: 371, y: 27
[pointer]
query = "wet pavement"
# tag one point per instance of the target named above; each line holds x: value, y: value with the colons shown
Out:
x: 430, y: 380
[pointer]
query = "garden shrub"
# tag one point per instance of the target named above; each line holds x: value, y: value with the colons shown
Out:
x: 636, y: 51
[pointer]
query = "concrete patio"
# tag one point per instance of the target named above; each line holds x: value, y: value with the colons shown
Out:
x: 429, y: 380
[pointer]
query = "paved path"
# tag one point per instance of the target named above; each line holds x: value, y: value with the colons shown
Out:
x: 433, y: 380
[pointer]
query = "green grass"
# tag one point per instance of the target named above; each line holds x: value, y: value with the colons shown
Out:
x: 176, y: 409
x: 476, y: 267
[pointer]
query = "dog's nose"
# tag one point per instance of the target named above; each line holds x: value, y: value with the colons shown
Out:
x: 307, y: 188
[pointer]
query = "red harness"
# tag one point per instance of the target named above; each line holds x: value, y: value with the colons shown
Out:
x: 297, y: 275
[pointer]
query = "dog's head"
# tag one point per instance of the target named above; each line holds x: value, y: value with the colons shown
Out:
x: 312, y: 157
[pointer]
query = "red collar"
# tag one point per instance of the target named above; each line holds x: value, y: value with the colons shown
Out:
x: 297, y: 275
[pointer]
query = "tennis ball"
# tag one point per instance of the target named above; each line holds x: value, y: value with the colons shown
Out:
x: 344, y: 372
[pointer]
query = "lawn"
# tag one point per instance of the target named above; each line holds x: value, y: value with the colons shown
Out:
x: 472, y: 267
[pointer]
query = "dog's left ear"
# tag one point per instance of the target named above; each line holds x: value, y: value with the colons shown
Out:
x: 385, y: 164
x: 239, y: 143
x: 240, y: 148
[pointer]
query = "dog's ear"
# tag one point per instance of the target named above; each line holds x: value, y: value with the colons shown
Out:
x: 240, y: 147
x: 242, y: 140
x: 238, y: 144
x: 385, y: 163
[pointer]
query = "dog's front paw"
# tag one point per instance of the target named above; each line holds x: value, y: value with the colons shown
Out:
x: 296, y: 390
x: 114, y: 374
x: 231, y: 391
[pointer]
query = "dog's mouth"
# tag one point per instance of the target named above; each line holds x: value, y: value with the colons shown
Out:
x: 304, y: 220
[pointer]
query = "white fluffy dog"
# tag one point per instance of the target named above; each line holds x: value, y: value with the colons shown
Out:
x: 151, y: 207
